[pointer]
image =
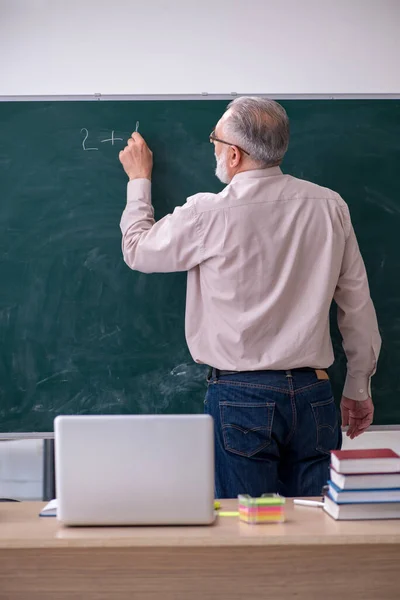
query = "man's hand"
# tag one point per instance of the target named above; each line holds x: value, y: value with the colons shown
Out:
x: 137, y: 158
x: 357, y: 414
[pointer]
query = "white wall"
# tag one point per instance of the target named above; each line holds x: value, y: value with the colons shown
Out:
x: 21, y: 469
x: 193, y: 46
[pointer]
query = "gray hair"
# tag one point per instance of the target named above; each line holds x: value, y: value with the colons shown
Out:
x: 261, y: 127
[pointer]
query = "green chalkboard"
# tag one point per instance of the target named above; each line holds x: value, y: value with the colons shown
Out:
x: 79, y: 331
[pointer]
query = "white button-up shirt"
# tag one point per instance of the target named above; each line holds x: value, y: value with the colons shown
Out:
x: 265, y: 257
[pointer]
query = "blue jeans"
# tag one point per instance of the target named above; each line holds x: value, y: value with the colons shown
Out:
x: 274, y: 431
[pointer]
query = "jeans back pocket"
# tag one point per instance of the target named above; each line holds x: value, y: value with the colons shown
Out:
x: 246, y: 426
x: 327, y: 422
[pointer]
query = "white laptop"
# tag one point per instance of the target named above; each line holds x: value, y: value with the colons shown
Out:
x: 135, y: 470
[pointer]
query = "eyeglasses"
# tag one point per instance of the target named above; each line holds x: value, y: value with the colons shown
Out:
x: 215, y: 139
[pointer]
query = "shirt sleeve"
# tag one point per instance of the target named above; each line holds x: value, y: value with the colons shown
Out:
x: 175, y: 243
x: 356, y: 319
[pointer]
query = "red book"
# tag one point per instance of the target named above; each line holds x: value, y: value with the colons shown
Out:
x: 380, y: 460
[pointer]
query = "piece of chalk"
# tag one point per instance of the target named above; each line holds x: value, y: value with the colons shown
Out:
x: 217, y: 505
x: 137, y: 126
x: 314, y: 503
x: 229, y: 513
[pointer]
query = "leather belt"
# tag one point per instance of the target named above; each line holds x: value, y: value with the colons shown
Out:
x: 320, y: 373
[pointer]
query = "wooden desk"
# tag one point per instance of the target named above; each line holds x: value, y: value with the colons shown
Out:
x: 309, y: 557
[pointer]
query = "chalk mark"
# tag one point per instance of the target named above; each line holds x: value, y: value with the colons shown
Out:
x: 51, y: 377
x: 86, y: 137
x: 112, y: 139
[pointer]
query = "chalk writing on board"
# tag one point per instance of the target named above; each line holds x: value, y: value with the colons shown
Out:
x: 85, y: 138
x: 112, y: 139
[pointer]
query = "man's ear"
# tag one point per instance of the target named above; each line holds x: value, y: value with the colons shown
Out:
x: 234, y: 157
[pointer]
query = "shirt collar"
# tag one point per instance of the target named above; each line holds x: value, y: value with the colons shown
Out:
x: 258, y: 173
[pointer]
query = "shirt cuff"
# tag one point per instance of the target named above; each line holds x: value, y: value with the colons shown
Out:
x: 139, y: 190
x: 357, y: 388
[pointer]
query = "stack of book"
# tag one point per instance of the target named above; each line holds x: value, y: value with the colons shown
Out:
x: 364, y: 484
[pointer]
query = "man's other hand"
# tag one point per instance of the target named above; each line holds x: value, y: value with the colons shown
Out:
x: 137, y: 158
x: 357, y: 414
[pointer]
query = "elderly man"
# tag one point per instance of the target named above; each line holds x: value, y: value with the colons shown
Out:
x: 265, y: 258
